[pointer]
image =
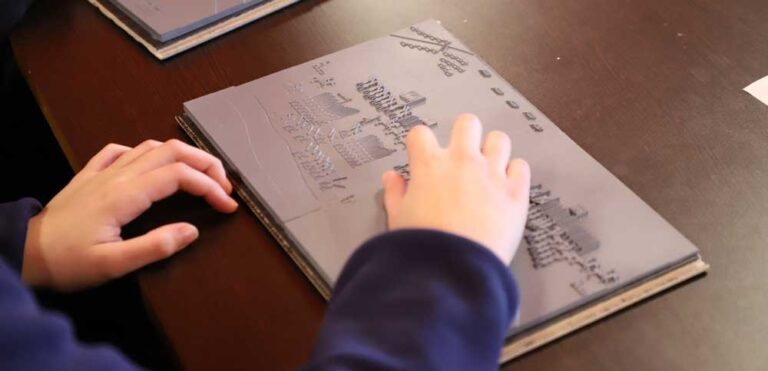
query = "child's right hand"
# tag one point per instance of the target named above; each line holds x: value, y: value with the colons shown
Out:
x: 463, y: 189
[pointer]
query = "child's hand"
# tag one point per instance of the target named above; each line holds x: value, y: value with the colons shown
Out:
x: 75, y: 241
x: 474, y: 193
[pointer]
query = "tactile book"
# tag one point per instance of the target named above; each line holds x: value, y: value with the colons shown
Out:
x: 169, y: 27
x: 307, y: 147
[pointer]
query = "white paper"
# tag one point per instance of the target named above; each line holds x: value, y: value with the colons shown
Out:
x: 759, y: 89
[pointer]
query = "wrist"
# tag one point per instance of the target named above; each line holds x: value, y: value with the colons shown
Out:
x: 34, y: 271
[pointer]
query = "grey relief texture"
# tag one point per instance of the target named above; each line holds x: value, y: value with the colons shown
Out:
x: 312, y: 141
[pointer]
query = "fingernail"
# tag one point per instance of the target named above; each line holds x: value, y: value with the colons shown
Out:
x: 233, y: 204
x: 189, y: 233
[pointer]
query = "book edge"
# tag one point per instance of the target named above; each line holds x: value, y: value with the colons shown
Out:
x: 255, y: 206
x: 518, y: 345
x: 200, y: 36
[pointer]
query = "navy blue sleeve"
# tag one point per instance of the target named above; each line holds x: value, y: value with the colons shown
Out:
x: 32, y: 339
x: 14, y: 217
x: 11, y: 13
x: 417, y: 300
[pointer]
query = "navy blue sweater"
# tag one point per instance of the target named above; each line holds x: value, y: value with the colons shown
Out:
x: 11, y: 13
x: 406, y: 300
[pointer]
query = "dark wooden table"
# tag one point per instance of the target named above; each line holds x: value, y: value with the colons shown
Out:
x: 650, y: 88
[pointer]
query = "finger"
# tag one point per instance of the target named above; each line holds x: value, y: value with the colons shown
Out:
x: 122, y: 257
x: 421, y: 144
x: 394, y: 191
x: 165, y: 181
x: 519, y: 176
x: 177, y: 151
x: 497, y: 149
x: 466, y: 135
x: 137, y: 151
x: 106, y: 157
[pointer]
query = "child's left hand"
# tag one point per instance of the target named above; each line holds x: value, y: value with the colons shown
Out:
x: 75, y: 241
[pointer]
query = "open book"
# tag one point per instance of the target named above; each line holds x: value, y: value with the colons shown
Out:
x: 307, y: 147
x: 169, y: 27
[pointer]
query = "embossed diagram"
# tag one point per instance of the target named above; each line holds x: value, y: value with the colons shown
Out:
x: 448, y: 56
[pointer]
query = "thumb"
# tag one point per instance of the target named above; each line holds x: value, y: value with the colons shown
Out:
x: 126, y: 256
x: 394, y: 190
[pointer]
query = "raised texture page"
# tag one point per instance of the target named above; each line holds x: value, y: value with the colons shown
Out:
x: 310, y: 143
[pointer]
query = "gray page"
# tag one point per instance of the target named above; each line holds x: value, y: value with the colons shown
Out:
x: 168, y: 19
x: 313, y: 140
